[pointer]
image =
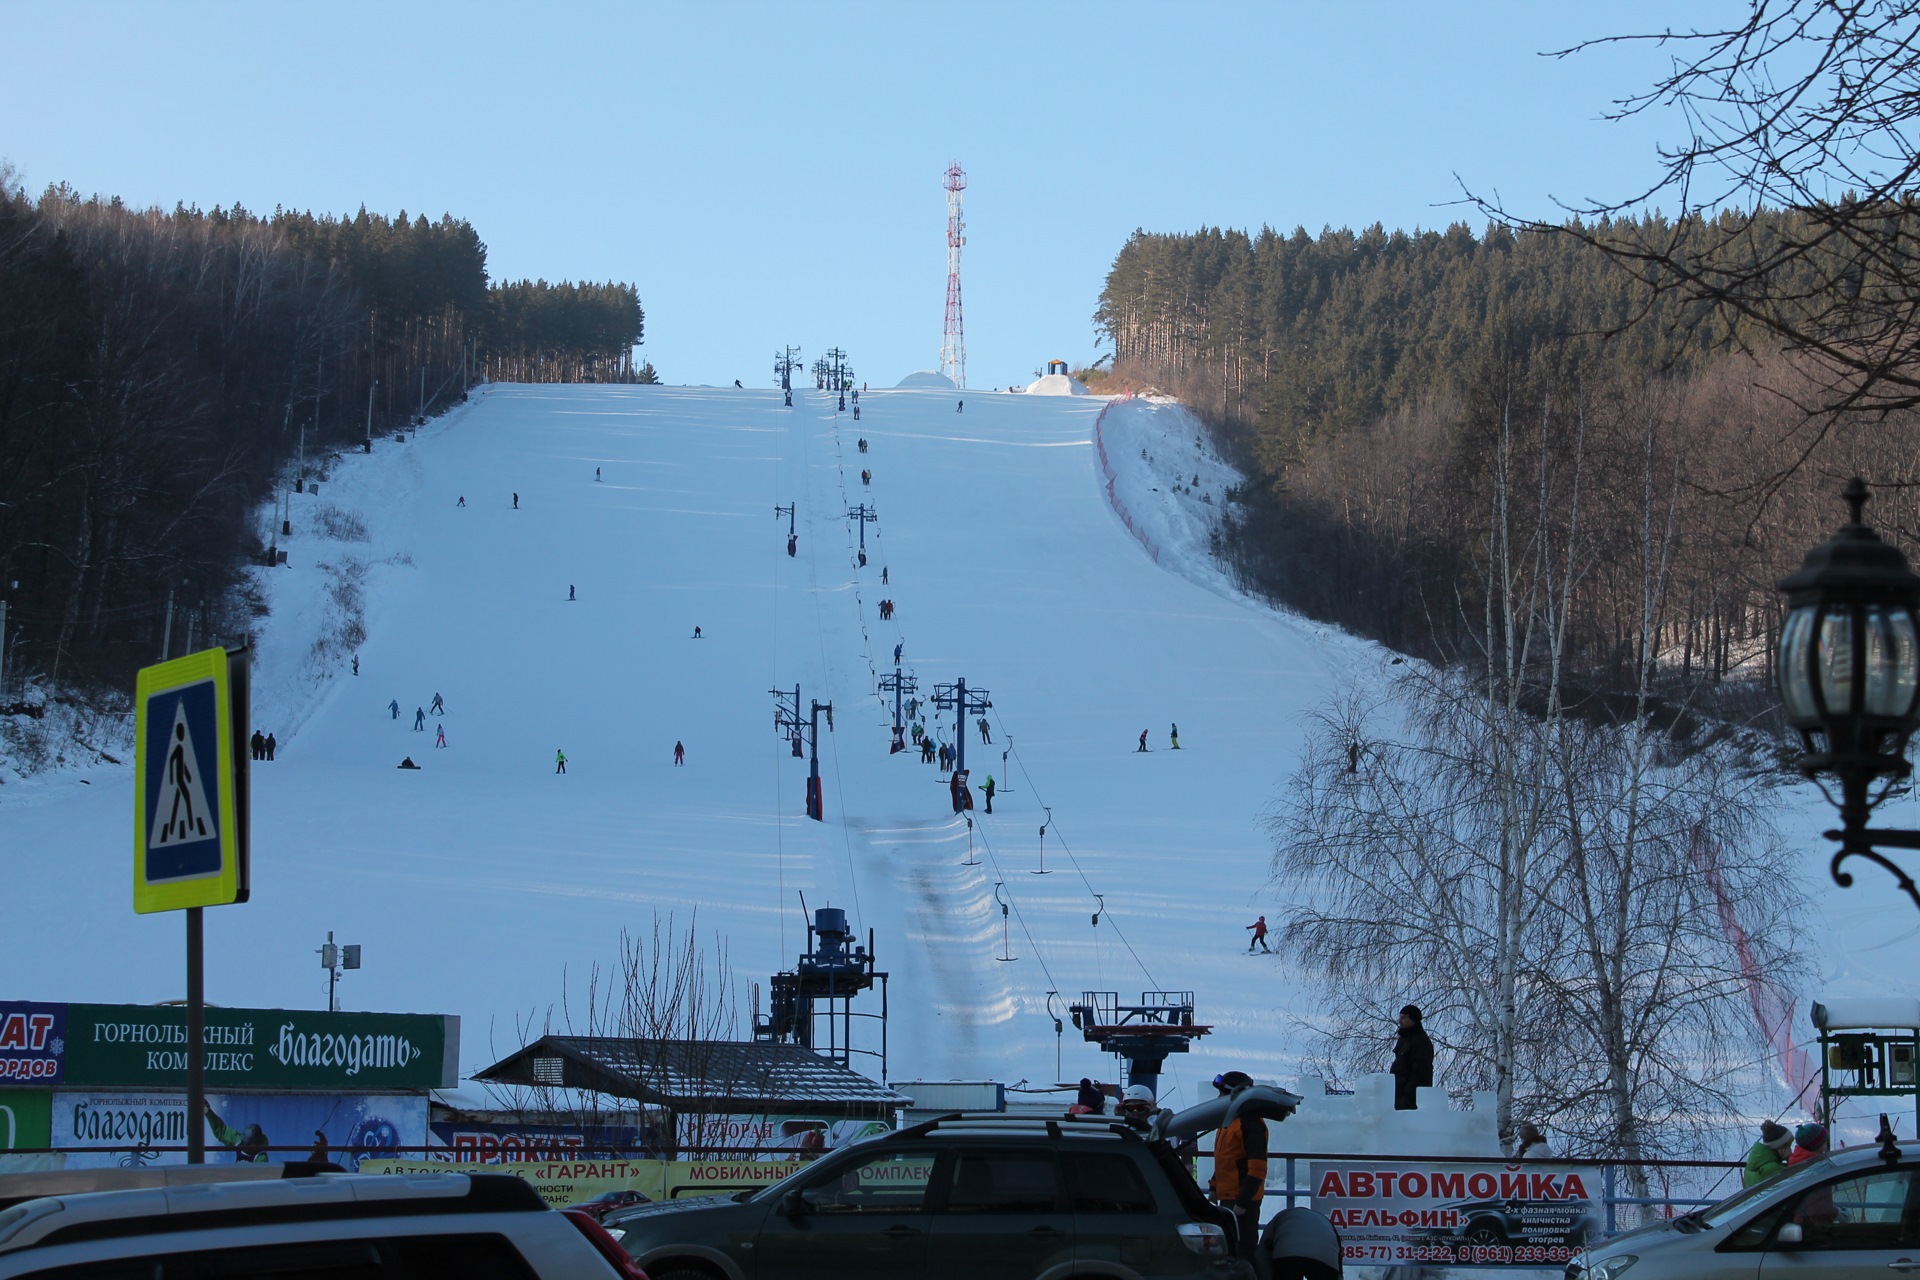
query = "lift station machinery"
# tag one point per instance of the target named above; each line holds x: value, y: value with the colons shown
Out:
x: 821, y: 988
x: 1143, y: 1034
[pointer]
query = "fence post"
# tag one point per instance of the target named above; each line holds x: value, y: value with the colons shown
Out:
x: 1606, y: 1183
x: 1290, y: 1182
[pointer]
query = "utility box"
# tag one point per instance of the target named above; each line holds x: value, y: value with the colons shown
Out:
x: 1868, y: 1050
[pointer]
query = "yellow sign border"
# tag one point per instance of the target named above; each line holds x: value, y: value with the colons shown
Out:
x: 222, y: 888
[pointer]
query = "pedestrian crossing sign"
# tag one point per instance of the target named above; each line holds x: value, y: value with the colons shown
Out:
x: 190, y: 801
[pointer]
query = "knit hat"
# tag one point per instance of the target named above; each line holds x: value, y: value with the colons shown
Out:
x: 1411, y: 1011
x: 1777, y: 1136
x: 1811, y: 1136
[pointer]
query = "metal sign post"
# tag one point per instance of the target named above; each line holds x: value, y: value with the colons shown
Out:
x: 190, y: 845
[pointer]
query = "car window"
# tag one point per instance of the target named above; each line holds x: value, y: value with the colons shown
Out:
x: 1106, y: 1182
x: 1867, y: 1211
x: 1004, y: 1182
x: 1749, y: 1198
x: 892, y: 1181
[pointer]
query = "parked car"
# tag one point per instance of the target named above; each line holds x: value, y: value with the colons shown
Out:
x: 607, y: 1201
x: 973, y: 1195
x: 1853, y: 1213
x: 180, y: 1225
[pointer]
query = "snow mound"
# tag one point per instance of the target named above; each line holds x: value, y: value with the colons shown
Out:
x: 926, y: 380
x: 1056, y: 384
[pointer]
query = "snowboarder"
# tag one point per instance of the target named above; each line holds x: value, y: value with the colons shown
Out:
x: 696, y: 631
x: 462, y: 502
x: 419, y: 719
x: 1412, y: 1060
x: 792, y: 543
x: 596, y: 475
x: 883, y: 575
x: 356, y: 664
x: 1173, y: 736
x: 1259, y: 928
x: 439, y: 735
x: 961, y: 407
x: 1769, y: 1155
x: 559, y: 761
x: 1143, y: 740
x: 394, y: 707
x: 569, y: 592
x: 986, y: 789
x: 437, y: 707
x: 986, y: 735
x: 259, y: 744
x: 897, y: 649
x: 679, y: 755
x: 516, y: 502
x: 736, y: 382
x: 272, y: 743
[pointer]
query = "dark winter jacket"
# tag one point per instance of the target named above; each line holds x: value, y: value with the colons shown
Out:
x: 1412, y: 1065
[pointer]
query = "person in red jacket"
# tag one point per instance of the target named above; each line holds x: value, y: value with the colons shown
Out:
x: 1259, y: 928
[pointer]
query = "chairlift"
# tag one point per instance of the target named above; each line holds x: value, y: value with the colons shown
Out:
x: 1006, y: 955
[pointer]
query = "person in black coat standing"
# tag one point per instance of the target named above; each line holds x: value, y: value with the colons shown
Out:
x: 1412, y: 1060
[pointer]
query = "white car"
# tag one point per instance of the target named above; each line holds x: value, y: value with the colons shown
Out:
x: 177, y: 1224
x: 1855, y: 1213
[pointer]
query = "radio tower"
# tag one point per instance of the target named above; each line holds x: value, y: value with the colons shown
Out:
x: 953, y: 346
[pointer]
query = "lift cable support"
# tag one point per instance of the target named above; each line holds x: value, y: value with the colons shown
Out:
x: 786, y: 511
x: 1042, y: 869
x: 800, y: 732
x: 963, y: 702
x: 866, y: 515
x: 898, y: 684
x: 830, y: 974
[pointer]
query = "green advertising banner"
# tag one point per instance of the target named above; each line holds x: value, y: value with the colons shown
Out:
x: 140, y: 1046
x: 26, y: 1119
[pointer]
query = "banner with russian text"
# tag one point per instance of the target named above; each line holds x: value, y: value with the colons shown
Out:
x: 1393, y: 1213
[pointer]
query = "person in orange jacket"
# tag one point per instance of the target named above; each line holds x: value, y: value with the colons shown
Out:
x: 1239, y: 1179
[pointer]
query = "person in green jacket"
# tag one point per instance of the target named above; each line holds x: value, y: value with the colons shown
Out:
x: 1769, y: 1155
x: 249, y: 1144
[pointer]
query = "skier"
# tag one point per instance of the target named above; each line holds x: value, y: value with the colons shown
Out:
x: 1137, y: 1107
x: 1412, y: 1060
x: 596, y: 475
x: 1259, y: 928
x: 883, y: 575
x: 985, y: 734
x: 559, y: 761
x: 570, y: 591
x: 696, y: 631
x: 736, y: 382
x: 856, y: 410
x: 419, y: 719
x: 679, y: 755
x: 897, y: 650
x: 1769, y: 1155
x: 437, y: 707
x: 863, y: 559
x: 863, y: 444
x: 356, y: 664
x: 986, y: 789
x: 866, y: 477
x: 271, y: 744
x: 792, y: 543
x: 394, y: 707
x: 462, y: 502
x: 913, y: 708
x: 916, y: 735
x: 1143, y: 740
x: 926, y: 747
x: 439, y: 735
x: 961, y: 407
x: 1173, y: 736
x: 516, y: 502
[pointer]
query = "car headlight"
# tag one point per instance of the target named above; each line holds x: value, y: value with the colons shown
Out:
x: 1612, y: 1268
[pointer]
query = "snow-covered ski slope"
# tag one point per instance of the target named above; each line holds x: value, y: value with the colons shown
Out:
x: 1055, y: 567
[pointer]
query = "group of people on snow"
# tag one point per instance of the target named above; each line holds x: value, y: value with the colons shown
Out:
x: 263, y: 745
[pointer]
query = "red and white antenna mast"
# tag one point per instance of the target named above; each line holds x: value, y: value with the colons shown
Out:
x: 953, y: 346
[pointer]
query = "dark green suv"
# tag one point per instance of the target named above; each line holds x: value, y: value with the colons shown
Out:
x: 969, y: 1196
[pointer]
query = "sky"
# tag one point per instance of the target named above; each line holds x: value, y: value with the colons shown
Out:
x: 770, y: 173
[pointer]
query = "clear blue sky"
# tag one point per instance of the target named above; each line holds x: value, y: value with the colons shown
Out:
x: 771, y: 173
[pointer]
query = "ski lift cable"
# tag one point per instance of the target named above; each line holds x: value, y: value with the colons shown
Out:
x: 1014, y: 902
x: 1105, y: 912
x: 839, y: 784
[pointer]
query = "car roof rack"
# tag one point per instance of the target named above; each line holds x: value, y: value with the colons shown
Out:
x: 984, y: 1123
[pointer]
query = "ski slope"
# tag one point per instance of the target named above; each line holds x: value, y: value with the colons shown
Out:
x: 1050, y: 563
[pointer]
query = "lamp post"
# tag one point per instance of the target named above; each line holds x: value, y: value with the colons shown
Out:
x: 1849, y: 674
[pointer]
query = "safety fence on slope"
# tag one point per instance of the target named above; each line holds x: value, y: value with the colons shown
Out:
x: 1106, y: 470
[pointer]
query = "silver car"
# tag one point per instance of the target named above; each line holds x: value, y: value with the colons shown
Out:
x: 1854, y: 1213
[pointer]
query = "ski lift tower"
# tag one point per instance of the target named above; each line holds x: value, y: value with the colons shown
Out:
x: 1141, y: 1035
x: 953, y: 345
x: 822, y: 986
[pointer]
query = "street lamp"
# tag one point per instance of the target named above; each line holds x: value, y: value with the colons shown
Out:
x: 1850, y: 678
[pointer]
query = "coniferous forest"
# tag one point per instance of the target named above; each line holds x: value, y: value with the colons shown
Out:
x: 1429, y: 418
x: 161, y: 372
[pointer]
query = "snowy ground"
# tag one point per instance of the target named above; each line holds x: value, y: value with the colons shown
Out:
x: 1076, y: 590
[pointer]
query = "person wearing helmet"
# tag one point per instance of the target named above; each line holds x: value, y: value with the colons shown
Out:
x: 1137, y: 1106
x: 1239, y: 1179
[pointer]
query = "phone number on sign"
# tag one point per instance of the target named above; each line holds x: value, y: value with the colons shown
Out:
x: 1464, y: 1255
